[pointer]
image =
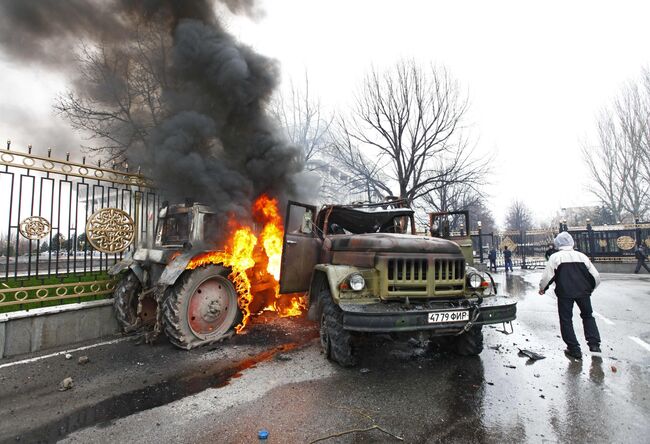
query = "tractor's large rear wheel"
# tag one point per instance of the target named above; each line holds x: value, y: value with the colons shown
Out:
x: 201, y: 307
x: 125, y: 301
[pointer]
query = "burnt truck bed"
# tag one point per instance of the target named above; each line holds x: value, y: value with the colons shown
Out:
x: 397, y: 317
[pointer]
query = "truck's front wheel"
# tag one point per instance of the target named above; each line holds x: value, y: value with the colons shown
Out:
x: 469, y: 343
x: 336, y: 342
x: 201, y: 307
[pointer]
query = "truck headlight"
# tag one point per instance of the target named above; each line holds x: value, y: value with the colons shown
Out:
x: 475, y: 280
x: 357, y: 282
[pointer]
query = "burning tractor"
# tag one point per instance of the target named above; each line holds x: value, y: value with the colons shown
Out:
x: 366, y: 271
x: 195, y: 294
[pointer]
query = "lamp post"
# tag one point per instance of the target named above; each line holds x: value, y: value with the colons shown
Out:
x: 480, y: 242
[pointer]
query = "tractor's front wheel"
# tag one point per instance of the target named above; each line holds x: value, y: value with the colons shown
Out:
x: 201, y: 307
x: 125, y: 301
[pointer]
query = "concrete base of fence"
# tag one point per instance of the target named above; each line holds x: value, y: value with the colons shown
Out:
x: 42, y: 328
x: 616, y: 267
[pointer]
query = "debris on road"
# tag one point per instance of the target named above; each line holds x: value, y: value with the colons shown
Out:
x: 263, y: 434
x: 66, y: 384
x: 364, y: 370
x: 83, y: 360
x: 510, y: 366
x: 68, y: 356
x: 614, y: 369
x: 347, y: 432
x: 531, y: 354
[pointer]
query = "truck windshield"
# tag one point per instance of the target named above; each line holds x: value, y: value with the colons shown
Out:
x: 345, y: 220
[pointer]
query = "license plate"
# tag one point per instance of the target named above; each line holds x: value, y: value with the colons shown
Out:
x: 448, y: 316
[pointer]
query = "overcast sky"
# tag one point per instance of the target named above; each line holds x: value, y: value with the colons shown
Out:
x: 536, y: 73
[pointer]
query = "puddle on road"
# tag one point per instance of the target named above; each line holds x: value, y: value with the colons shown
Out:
x: 156, y: 395
x: 514, y: 285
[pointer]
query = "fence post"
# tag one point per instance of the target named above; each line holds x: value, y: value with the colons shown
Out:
x: 637, y: 231
x: 590, y: 239
x: 523, y: 249
x: 136, y: 222
x: 480, y: 242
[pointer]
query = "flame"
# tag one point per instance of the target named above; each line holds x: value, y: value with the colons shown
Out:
x: 255, y: 263
x: 272, y: 234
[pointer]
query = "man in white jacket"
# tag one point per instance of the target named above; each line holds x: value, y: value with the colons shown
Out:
x: 575, y: 279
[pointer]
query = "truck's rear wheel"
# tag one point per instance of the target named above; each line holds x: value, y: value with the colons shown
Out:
x: 201, y: 307
x: 125, y: 301
x: 469, y: 343
x: 336, y: 342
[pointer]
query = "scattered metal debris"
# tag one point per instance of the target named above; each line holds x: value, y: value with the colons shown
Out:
x: 68, y: 356
x: 531, y: 354
x: 347, y: 432
x: 83, y: 360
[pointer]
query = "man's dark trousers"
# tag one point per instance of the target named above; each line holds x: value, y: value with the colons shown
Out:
x: 565, y: 309
x: 641, y: 263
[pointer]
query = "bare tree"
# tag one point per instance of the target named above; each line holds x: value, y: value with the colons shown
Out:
x: 604, y: 165
x: 122, y: 86
x: 519, y: 217
x: 363, y: 173
x: 620, y: 163
x: 302, y: 118
x: 408, y: 120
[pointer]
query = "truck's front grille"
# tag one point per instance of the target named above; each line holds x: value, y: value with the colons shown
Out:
x: 449, y: 270
x: 424, y: 277
x: 407, y: 269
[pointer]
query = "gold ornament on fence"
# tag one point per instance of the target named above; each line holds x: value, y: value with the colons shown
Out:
x: 647, y: 241
x: 602, y: 243
x: 110, y: 230
x: 625, y: 243
x: 507, y: 242
x: 34, y: 227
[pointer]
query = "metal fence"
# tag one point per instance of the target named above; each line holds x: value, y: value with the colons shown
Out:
x: 63, y: 224
x: 614, y: 243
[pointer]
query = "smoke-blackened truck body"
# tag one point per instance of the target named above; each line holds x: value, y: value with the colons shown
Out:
x: 365, y: 274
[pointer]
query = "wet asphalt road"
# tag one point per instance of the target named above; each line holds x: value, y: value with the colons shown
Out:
x: 276, y: 379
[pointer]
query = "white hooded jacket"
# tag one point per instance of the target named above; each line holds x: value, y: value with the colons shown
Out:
x: 573, y: 273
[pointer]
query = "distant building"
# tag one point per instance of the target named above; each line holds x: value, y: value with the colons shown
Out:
x: 337, y: 186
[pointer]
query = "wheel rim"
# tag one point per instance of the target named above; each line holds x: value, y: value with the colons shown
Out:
x: 212, y: 307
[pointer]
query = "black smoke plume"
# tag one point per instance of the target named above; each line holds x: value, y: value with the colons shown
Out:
x: 216, y: 143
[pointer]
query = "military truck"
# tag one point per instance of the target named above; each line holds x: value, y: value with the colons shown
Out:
x: 366, y: 271
x: 156, y: 292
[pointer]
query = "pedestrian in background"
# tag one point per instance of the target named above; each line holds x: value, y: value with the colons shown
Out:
x: 641, y: 257
x: 575, y: 279
x: 507, y: 258
x: 492, y: 256
x: 550, y: 251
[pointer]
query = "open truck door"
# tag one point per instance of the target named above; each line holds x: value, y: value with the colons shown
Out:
x: 300, y: 249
